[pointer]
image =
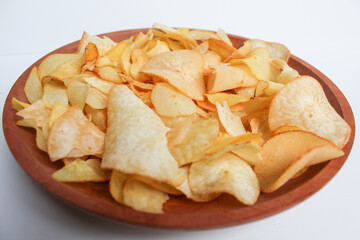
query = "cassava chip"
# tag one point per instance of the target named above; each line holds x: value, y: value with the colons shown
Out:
x: 302, y: 103
x: 230, y: 122
x: 220, y: 47
x: 96, y: 99
x: 33, y: 87
x: 142, y: 197
x: 40, y: 138
x: 183, y: 69
x: 116, y: 185
x: 73, y: 135
x: 249, y: 152
x: 230, y: 77
x: 179, y: 131
x: 104, y: 43
x: 276, y: 50
x: 161, y: 186
x: 230, y: 99
x: 57, y: 111
x: 98, y: 116
x: 37, y: 111
x: 53, y: 92
x: 77, y: 93
x: 169, y: 102
x: 133, y: 130
x: 18, y: 105
x: 202, y: 133
x: 81, y: 171
x: 280, y: 152
x: 227, y: 173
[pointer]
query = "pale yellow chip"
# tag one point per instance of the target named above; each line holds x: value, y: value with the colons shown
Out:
x: 33, y: 87
x: 276, y: 50
x: 115, y: 53
x: 40, y: 138
x: 125, y: 60
x: 267, y: 88
x: 285, y: 129
x: 230, y: 99
x: 287, y: 73
x: 142, y: 197
x: 67, y: 69
x: 170, y: 122
x: 161, y: 186
x: 52, y: 62
x: 169, y: 102
x: 116, y: 185
x: 249, y: 152
x: 210, y: 58
x: 96, y: 99
x: 228, y: 174
x: 109, y: 74
x: 203, y: 47
x: 179, y: 131
x: 230, y: 77
x: 81, y: 171
x: 177, y: 35
x: 185, y: 189
x: 259, y: 124
x: 280, y: 152
x: 98, y: 116
x: 57, y: 111
x: 242, y: 52
x: 101, y: 43
x: 230, y: 122
x: 258, y: 61
x: 73, y: 135
x: 183, y: 69
x: 77, y: 93
x: 160, y: 47
x: 303, y: 103
x: 223, y: 36
x: 53, y: 92
x: 201, y: 34
x: 257, y: 104
x: 249, y: 91
x: 133, y: 129
x: 37, y: 111
x: 18, y: 105
x: 202, y: 133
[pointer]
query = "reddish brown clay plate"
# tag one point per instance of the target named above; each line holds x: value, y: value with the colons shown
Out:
x: 179, y: 211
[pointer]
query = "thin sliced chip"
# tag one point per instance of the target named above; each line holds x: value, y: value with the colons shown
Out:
x: 109, y: 74
x: 116, y: 185
x: 169, y: 102
x: 220, y: 47
x: 170, y: 122
x: 285, y: 129
x: 280, y: 151
x: 54, y: 92
x: 67, y: 70
x: 242, y: 52
x: 142, y: 197
x: 161, y: 186
x: 257, y: 104
x: 52, y: 62
x: 210, y: 58
x: 267, y: 88
x: 259, y: 124
x: 230, y: 122
x: 222, y: 34
x: 203, y: 47
x: 276, y: 50
x: 45, y: 128
x: 101, y: 85
x: 116, y: 52
x: 125, y: 60
x: 201, y: 34
x: 37, y: 111
x: 101, y: 43
x: 249, y: 91
x: 133, y: 130
x: 303, y: 103
x: 227, y: 173
x: 202, y: 133
x: 230, y: 77
x: 18, y: 105
x: 249, y: 152
x: 96, y: 99
x: 230, y: 99
x: 179, y: 131
x: 33, y: 87
x: 73, y: 135
x: 287, y: 73
x: 57, y: 111
x: 160, y: 47
x: 258, y: 61
x: 81, y: 171
x: 183, y: 69
x: 98, y: 116
x: 185, y: 188
x: 40, y: 138
x: 77, y: 93
x: 177, y: 35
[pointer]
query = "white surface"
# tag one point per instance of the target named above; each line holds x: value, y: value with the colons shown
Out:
x: 324, y: 33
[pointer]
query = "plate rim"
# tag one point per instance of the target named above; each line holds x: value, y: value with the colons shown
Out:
x: 168, y: 220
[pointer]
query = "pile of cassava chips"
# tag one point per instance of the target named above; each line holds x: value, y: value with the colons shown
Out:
x: 179, y: 112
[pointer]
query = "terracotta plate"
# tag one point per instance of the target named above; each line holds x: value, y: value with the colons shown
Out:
x: 179, y: 211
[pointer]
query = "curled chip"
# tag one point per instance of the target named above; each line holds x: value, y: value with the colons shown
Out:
x: 230, y: 122
x: 302, y: 103
x: 133, y: 130
x: 183, y: 69
x: 227, y: 173
x: 101, y: 43
x: 142, y: 197
x: 169, y: 102
x: 281, y: 151
x: 276, y: 50
x: 81, y: 171
x: 73, y: 135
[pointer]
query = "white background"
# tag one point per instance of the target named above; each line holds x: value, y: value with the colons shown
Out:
x: 324, y: 33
